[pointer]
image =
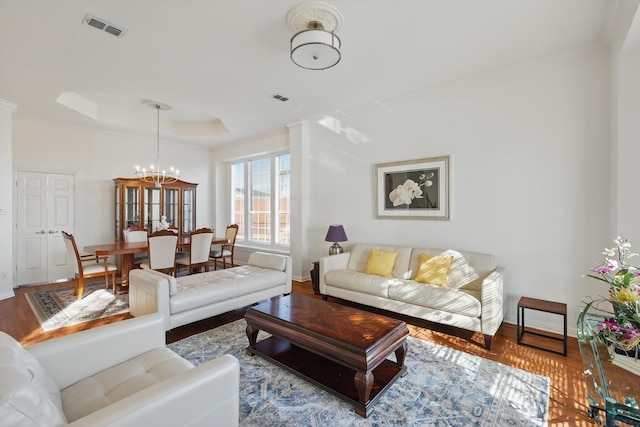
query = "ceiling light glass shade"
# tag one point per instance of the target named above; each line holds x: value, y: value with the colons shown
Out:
x: 315, y: 49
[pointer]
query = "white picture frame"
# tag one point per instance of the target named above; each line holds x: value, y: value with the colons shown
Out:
x: 413, y: 189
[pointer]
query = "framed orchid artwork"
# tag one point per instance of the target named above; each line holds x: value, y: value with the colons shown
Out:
x: 413, y: 189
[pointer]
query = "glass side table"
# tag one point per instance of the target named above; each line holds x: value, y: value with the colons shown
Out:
x: 611, y: 389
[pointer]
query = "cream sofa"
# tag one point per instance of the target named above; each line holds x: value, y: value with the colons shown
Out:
x: 120, y: 374
x: 472, y: 300
x: 199, y: 296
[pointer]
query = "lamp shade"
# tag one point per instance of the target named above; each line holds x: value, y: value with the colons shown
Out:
x: 315, y: 49
x: 336, y: 234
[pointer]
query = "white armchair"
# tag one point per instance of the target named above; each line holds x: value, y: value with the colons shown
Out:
x: 120, y: 374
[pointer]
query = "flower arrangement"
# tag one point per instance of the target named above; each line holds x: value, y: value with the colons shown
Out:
x: 623, y: 329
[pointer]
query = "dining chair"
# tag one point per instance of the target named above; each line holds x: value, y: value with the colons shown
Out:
x: 199, y: 247
x: 226, y: 249
x: 82, y: 271
x: 162, y: 252
x: 136, y: 234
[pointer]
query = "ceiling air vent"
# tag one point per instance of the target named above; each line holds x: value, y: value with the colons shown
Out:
x: 280, y: 98
x: 102, y: 25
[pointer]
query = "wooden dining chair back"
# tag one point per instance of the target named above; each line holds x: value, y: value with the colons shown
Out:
x: 136, y: 234
x: 87, y: 266
x: 225, y: 251
x: 199, y: 248
x: 162, y: 252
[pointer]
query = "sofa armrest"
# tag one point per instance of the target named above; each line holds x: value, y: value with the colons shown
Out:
x: 149, y: 293
x: 205, y: 395
x: 73, y: 357
x: 289, y: 270
x: 329, y: 263
x: 492, y: 301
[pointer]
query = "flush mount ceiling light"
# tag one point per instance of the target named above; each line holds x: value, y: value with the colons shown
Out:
x: 315, y: 46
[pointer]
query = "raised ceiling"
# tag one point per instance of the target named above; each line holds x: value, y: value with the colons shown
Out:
x: 218, y: 63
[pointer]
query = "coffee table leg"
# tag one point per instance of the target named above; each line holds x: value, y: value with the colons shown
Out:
x: 252, y: 334
x: 364, y: 382
x: 401, y: 352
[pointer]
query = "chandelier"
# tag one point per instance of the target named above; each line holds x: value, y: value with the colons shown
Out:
x: 155, y: 174
x: 315, y: 46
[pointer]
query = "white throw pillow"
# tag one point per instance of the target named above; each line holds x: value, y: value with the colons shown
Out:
x: 28, y: 396
x: 460, y: 272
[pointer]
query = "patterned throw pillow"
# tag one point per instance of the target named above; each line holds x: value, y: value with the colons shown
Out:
x: 381, y: 263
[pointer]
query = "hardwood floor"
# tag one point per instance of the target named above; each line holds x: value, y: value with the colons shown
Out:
x: 568, y: 402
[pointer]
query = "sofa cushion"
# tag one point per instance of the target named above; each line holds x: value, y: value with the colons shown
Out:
x: 461, y: 271
x: 116, y: 383
x: 381, y: 263
x: 436, y: 297
x: 28, y: 396
x: 359, y: 256
x: 360, y: 282
x: 433, y: 269
x: 197, y: 290
x: 266, y: 260
x: 466, y: 268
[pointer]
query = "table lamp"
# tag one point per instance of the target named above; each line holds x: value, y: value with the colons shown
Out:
x: 335, y: 234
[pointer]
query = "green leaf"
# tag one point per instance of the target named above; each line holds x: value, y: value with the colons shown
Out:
x: 628, y: 279
x: 597, y: 278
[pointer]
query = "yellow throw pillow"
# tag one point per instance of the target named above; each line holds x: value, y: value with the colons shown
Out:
x: 434, y: 269
x: 381, y: 263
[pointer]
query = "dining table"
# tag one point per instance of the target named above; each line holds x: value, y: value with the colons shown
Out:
x: 127, y: 251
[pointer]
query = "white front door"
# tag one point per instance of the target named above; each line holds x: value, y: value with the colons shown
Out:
x: 45, y: 207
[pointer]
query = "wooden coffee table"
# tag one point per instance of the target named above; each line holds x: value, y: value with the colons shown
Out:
x: 341, y: 349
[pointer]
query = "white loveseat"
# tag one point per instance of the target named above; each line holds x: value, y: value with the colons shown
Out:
x: 199, y: 296
x: 472, y: 298
x: 120, y: 374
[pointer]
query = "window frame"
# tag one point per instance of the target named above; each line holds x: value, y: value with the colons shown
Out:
x: 244, y: 237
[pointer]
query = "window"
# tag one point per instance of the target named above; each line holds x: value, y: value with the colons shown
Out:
x: 260, y: 199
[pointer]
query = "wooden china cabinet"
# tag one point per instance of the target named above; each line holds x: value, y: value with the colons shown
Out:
x: 141, y: 204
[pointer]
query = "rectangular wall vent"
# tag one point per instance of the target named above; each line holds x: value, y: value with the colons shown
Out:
x: 280, y: 98
x: 102, y: 25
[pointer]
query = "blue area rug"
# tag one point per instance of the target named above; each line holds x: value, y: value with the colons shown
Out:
x: 444, y: 387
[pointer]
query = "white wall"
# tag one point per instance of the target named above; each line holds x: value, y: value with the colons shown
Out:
x: 628, y: 149
x: 6, y: 200
x: 96, y: 157
x: 529, y: 173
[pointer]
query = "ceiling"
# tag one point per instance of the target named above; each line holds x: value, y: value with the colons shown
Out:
x: 225, y: 59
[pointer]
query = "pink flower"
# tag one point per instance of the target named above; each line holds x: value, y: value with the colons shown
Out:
x: 604, y: 269
x: 610, y: 324
x: 629, y: 333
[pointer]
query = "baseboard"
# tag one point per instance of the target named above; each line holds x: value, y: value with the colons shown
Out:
x: 554, y: 328
x: 7, y: 295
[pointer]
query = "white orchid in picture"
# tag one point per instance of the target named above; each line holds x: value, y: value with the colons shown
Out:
x: 405, y: 194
